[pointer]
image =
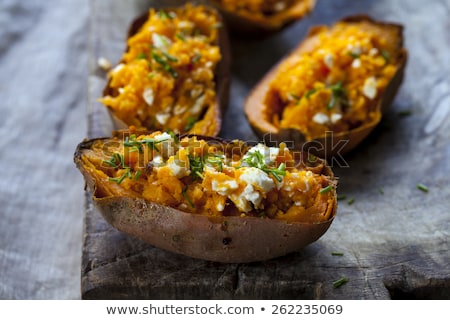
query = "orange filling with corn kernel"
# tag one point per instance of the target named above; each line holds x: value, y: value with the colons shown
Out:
x: 335, y: 86
x: 202, y: 177
x: 166, y: 77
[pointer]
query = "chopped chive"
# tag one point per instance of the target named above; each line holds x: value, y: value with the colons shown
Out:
x: 183, y: 192
x: 119, y: 180
x: 151, y: 75
x: 312, y: 158
x: 294, y: 97
x: 170, y: 57
x: 141, y: 56
x: 341, y: 197
x: 137, y: 175
x: 340, y: 282
x: 337, y: 93
x: 404, y: 113
x: 353, y: 55
x: 309, y: 93
x: 422, y: 187
x: 380, y: 190
x: 256, y: 160
x: 190, y: 123
x: 340, y: 254
x: 385, y: 55
x: 326, y: 189
x: 166, y: 66
x: 164, y: 15
x: 180, y: 36
x: 351, y: 201
x: 196, y: 58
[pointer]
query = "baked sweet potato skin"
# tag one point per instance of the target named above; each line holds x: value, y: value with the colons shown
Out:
x: 230, y: 239
x: 329, y: 143
x: 211, y: 121
x: 249, y: 25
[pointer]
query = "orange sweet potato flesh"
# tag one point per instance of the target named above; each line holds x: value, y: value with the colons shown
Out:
x: 211, y: 120
x: 230, y: 239
x: 256, y: 108
x: 249, y: 24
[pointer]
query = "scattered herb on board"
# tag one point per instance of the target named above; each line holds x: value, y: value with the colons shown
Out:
x: 422, y: 187
x: 380, y: 190
x: 339, y: 254
x: 405, y: 113
x: 341, y: 197
x: 340, y: 282
x: 351, y: 201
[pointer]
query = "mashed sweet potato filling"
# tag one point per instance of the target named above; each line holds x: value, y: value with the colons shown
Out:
x: 165, y: 79
x: 336, y: 84
x: 256, y: 7
x: 210, y: 178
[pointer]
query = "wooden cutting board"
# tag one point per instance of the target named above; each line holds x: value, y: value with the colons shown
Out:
x: 394, y: 238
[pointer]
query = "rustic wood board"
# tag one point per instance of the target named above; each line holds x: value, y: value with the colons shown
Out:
x: 394, y: 237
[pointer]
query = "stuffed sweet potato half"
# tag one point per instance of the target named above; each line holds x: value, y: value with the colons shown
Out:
x: 256, y: 17
x: 208, y: 198
x: 174, y: 74
x: 332, y: 89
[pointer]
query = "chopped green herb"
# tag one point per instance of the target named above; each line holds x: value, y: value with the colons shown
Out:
x: 115, y: 161
x: 170, y: 57
x: 183, y: 192
x: 256, y: 160
x: 141, y: 56
x: 166, y: 15
x: 312, y: 158
x: 196, y: 166
x: 351, y: 201
x: 422, y: 187
x: 174, y: 136
x: 309, y: 93
x: 136, y: 145
x: 216, y: 161
x: 342, y: 197
x: 294, y: 97
x: 340, y: 282
x: 385, y: 55
x: 180, y: 36
x: 190, y: 123
x: 380, y: 190
x: 121, y: 178
x: 405, y: 113
x: 163, y: 62
x: 196, y: 58
x: 353, y: 55
x: 337, y: 93
x: 340, y: 254
x: 151, y: 75
x: 326, y: 189
x: 137, y: 174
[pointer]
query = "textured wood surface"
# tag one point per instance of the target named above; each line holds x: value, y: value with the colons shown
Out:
x: 43, y: 91
x: 394, y: 237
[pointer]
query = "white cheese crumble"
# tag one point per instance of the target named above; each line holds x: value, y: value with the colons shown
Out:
x: 370, y: 88
x: 270, y: 153
x: 178, y: 168
x: 162, y: 117
x: 257, y: 178
x: 104, y: 63
x: 161, y: 42
x: 329, y: 60
x: 320, y: 118
x: 162, y: 137
x: 373, y: 52
x: 224, y: 188
x: 149, y: 96
x: 118, y: 68
x: 356, y: 63
x: 335, y: 117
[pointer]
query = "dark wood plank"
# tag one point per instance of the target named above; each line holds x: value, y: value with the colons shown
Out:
x: 394, y: 237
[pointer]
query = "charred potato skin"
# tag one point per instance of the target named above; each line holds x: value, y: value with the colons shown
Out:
x: 324, y: 146
x: 231, y: 239
x: 222, y: 77
x: 250, y: 26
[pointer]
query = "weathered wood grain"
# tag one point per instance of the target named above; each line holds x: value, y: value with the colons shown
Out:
x: 43, y: 89
x: 394, y: 237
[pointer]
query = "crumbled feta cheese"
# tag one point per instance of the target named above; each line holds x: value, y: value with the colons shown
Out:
x: 335, y: 117
x: 279, y: 6
x: 225, y: 187
x: 220, y: 206
x: 104, y: 63
x: 258, y: 178
x: 209, y: 64
x: 149, y: 96
x: 177, y: 110
x: 320, y: 118
x: 157, y: 161
x: 356, y: 63
x: 370, y: 88
x: 162, y: 137
x: 178, y: 168
x: 121, y: 90
x: 298, y: 203
x: 270, y: 154
x: 198, y: 105
x: 329, y: 60
x: 356, y: 49
x: 162, y: 117
x: 118, y: 68
x: 184, y: 24
x: 161, y: 42
x: 240, y: 202
x: 373, y: 52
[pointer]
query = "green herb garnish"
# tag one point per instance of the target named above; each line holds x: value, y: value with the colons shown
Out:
x: 309, y: 93
x: 190, y: 123
x: 141, y: 56
x: 196, y: 166
x: 136, y: 145
x: 340, y: 254
x: 180, y: 36
x: 404, y: 113
x: 115, y: 161
x: 340, y: 282
x: 196, y: 58
x: 164, y: 63
x: 294, y: 97
x: 353, y: 55
x: 351, y: 201
x: 386, y: 56
x: 137, y: 175
x: 215, y: 161
x: 337, y: 93
x: 422, y: 187
x: 183, y: 192
x: 164, y: 15
x: 341, y: 197
x: 326, y: 189
x: 380, y: 190
x: 256, y: 160
x: 170, y: 57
